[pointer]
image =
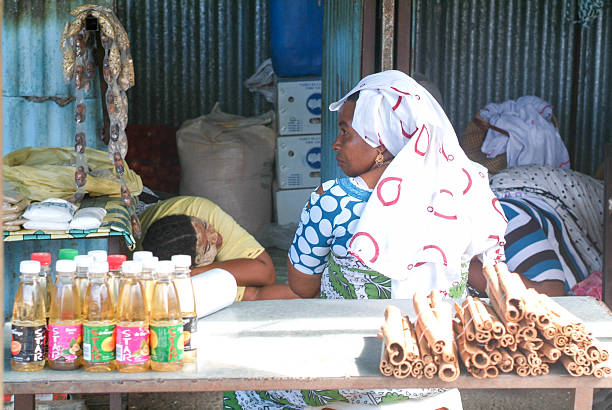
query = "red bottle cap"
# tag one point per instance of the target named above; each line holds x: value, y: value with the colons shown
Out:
x: 115, y: 261
x: 43, y: 257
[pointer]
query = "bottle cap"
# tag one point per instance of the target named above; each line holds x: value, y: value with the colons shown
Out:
x: 65, y: 265
x: 142, y: 255
x: 43, y: 257
x: 165, y: 268
x: 150, y: 263
x: 131, y: 267
x: 181, y: 261
x: 98, y: 267
x: 98, y: 255
x: 29, y: 267
x: 67, y: 254
x: 83, y: 261
x: 115, y: 261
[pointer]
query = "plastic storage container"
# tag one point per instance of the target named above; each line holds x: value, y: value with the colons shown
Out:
x: 296, y: 28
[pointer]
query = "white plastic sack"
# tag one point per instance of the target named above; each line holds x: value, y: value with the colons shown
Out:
x: 50, y: 210
x: 88, y: 218
x: 263, y: 81
x: 46, y: 225
x: 229, y: 160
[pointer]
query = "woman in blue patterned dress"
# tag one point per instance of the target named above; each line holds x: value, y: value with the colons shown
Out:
x: 326, y: 258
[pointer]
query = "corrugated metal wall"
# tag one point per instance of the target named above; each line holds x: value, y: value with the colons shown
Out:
x: 188, y: 54
x: 594, y: 97
x: 32, y: 67
x: 483, y: 51
x: 342, y: 22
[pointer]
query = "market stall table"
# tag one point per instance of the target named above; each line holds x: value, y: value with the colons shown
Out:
x: 299, y: 344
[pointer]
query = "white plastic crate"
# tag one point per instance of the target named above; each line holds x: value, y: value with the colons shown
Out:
x: 298, y: 106
x: 298, y: 161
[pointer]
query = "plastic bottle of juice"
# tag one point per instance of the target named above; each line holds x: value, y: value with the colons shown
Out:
x: 184, y: 288
x: 98, y: 255
x: 67, y: 254
x: 140, y: 256
x: 114, y: 275
x: 132, y: 331
x: 65, y: 322
x: 82, y: 275
x: 146, y: 276
x: 46, y: 284
x: 44, y: 277
x: 28, y: 321
x: 98, y: 322
x: 149, y: 267
x: 166, y: 322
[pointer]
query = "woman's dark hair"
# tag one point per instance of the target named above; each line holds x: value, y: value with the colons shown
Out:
x: 353, y: 97
x: 171, y: 235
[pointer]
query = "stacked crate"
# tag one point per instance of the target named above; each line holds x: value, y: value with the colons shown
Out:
x: 298, y: 146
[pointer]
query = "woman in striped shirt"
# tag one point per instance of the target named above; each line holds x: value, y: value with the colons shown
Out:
x: 554, y: 236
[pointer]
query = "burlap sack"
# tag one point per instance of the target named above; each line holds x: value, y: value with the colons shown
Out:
x: 229, y: 160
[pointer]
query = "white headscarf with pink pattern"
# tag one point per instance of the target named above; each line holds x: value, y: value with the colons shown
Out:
x: 432, y: 209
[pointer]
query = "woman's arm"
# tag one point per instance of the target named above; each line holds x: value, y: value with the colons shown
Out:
x: 248, y: 272
x: 548, y: 287
x: 304, y: 285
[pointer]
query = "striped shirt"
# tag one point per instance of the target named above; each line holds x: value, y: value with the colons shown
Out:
x: 537, y: 244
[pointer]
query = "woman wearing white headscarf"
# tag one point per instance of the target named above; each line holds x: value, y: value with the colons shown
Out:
x: 410, y: 216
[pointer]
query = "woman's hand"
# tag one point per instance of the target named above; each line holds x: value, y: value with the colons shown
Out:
x: 304, y: 285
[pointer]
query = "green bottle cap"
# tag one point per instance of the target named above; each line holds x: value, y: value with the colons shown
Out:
x: 67, y: 253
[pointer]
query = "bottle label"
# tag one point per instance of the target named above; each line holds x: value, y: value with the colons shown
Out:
x: 167, y: 343
x: 28, y: 343
x: 65, y: 342
x: 132, y: 344
x: 190, y: 327
x: 98, y: 343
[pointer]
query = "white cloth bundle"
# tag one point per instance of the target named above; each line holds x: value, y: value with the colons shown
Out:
x: 432, y: 209
x: 533, y: 138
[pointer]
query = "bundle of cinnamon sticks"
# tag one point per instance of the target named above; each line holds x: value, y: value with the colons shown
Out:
x: 532, y: 329
x: 423, y: 348
x: 519, y: 330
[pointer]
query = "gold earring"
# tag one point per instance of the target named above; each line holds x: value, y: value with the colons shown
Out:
x: 379, y: 160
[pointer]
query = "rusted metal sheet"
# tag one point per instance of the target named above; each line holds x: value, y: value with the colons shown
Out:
x: 190, y: 54
x: 342, y: 26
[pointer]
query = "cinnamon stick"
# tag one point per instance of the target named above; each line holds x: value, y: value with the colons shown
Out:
x: 430, y: 324
x: 511, y: 292
x: 507, y: 362
x: 403, y: 370
x: 572, y: 367
x: 523, y: 370
x: 496, y: 357
x: 550, y: 351
x: 394, y: 337
x: 386, y: 368
x: 417, y: 369
x: 430, y: 370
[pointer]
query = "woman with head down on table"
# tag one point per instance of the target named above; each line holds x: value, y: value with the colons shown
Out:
x: 199, y: 228
x: 410, y: 216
